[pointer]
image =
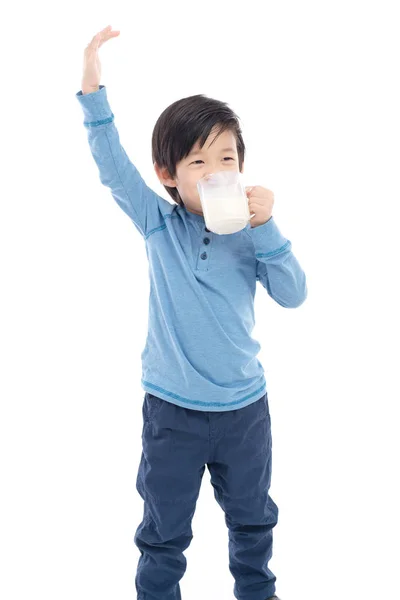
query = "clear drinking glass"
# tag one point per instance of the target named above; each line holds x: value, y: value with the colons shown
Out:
x: 224, y: 202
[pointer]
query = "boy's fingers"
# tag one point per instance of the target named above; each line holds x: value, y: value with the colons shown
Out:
x: 99, y: 39
x: 104, y: 36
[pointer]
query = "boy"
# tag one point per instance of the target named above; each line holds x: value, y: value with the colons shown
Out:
x: 205, y: 396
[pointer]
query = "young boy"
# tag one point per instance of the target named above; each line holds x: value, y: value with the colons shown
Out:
x: 205, y: 400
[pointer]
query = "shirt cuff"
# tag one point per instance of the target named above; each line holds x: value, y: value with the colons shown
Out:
x: 267, y: 239
x: 95, y: 106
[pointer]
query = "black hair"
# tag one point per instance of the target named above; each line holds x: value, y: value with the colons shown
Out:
x: 184, y: 122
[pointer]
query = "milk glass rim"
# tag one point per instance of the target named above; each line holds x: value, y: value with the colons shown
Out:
x: 237, y: 174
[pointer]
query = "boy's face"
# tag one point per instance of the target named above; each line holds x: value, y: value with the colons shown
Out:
x: 213, y: 157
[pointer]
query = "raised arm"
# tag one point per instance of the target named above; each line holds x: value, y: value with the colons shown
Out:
x: 117, y: 172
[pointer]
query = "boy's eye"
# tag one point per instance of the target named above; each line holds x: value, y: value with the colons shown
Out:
x: 196, y: 161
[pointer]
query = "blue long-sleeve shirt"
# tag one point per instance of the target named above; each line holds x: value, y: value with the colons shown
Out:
x: 199, y: 351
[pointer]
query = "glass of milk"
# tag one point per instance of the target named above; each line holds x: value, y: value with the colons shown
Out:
x: 224, y: 202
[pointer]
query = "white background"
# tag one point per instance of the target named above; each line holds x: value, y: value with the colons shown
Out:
x: 315, y: 85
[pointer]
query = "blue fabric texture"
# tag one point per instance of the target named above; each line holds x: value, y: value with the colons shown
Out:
x: 236, y: 445
x: 199, y: 353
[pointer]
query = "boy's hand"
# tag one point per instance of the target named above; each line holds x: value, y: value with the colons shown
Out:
x: 91, y: 62
x: 261, y: 201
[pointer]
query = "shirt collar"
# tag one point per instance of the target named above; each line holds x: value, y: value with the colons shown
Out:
x: 198, y: 219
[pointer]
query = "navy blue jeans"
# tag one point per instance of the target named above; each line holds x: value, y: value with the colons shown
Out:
x: 177, y: 443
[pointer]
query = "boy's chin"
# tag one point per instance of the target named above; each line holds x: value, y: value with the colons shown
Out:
x: 193, y: 209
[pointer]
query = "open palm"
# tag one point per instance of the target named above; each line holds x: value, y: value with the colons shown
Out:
x: 91, y: 61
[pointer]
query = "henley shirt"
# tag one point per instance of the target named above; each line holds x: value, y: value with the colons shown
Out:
x: 199, y: 352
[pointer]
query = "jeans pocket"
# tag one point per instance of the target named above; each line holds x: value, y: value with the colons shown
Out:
x: 151, y: 406
x: 265, y: 404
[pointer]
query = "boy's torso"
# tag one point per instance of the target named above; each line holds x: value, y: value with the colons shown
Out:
x: 199, y: 351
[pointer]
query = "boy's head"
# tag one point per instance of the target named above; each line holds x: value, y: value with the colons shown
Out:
x: 190, y: 139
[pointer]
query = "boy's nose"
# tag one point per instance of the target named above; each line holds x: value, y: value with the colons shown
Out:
x: 205, y: 177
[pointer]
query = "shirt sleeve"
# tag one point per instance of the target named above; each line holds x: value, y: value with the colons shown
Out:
x: 278, y: 270
x: 144, y: 207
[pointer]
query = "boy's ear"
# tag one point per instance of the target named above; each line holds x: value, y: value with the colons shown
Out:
x: 163, y: 176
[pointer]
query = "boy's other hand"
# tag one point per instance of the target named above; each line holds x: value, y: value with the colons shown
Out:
x: 91, y: 62
x: 261, y: 201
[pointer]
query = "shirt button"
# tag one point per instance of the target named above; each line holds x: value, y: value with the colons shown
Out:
x: 206, y: 240
x: 204, y: 255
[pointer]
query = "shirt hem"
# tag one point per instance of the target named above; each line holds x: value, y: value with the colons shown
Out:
x: 156, y: 390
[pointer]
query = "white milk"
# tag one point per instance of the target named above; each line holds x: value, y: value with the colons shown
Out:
x: 225, y: 214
